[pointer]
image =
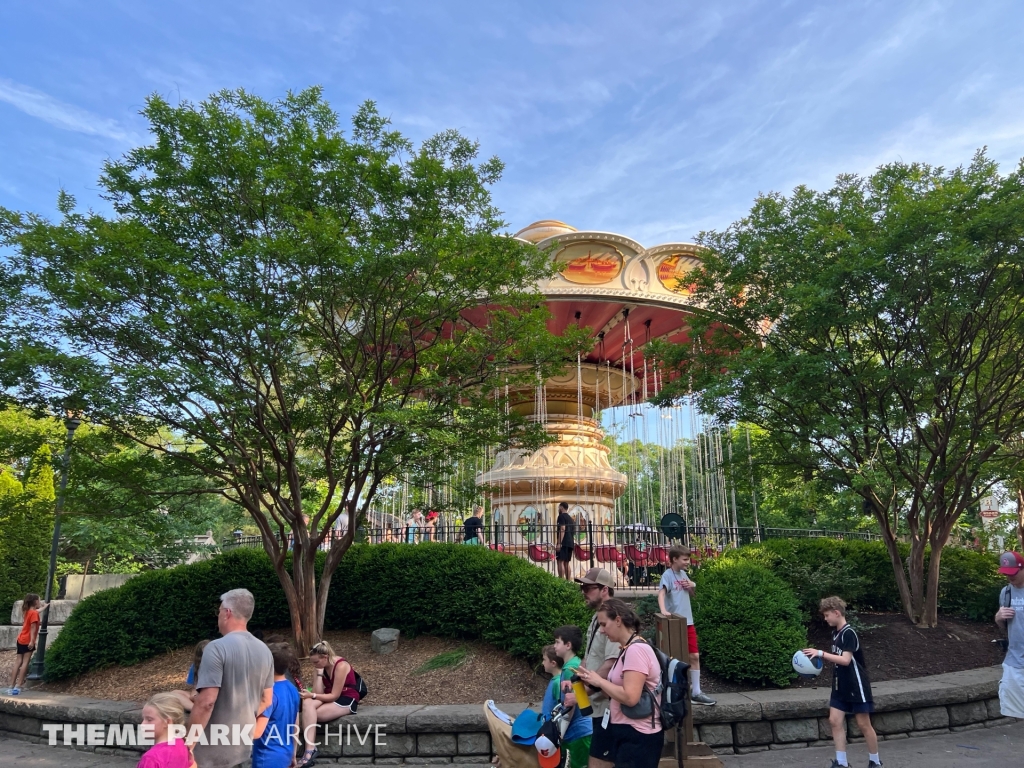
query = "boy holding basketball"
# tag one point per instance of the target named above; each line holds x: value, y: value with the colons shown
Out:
x: 674, y: 599
x: 851, y: 690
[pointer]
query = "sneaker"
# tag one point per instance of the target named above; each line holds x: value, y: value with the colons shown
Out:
x: 703, y: 698
x: 837, y: 764
x: 873, y: 764
x: 15, y: 691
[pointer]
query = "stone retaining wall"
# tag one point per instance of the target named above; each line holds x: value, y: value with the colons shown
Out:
x: 434, y: 735
x: 761, y: 720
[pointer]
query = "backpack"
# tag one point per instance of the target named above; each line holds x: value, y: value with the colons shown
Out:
x: 360, y: 686
x: 671, y: 693
x: 668, y: 699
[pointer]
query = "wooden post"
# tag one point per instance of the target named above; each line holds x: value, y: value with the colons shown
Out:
x: 671, y: 638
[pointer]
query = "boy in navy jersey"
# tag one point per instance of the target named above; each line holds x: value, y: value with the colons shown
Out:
x: 851, y: 690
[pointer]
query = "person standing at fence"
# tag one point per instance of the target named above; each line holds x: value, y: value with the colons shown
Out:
x: 674, y: 594
x: 474, y: 527
x: 566, y: 537
x: 236, y: 681
x: 1010, y: 617
x: 599, y: 654
x: 413, y: 526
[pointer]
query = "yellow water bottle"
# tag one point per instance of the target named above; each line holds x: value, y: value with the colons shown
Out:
x: 582, y: 699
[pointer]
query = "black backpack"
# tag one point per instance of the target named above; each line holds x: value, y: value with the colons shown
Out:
x: 360, y: 685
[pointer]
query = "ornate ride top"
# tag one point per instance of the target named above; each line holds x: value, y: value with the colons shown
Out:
x: 625, y: 293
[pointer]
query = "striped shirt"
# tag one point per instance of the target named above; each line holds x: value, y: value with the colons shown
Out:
x: 850, y: 683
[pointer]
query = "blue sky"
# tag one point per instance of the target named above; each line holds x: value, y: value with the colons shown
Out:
x: 655, y: 120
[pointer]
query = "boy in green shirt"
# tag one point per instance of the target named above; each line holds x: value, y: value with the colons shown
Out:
x: 576, y: 742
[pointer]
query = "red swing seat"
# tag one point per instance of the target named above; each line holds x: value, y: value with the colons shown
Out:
x: 539, y: 553
x: 637, y: 557
x: 607, y: 553
x: 659, y: 555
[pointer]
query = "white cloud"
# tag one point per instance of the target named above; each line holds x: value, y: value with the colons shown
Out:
x: 57, y: 113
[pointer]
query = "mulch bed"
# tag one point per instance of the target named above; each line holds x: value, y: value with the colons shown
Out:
x: 487, y: 673
x: 895, y: 650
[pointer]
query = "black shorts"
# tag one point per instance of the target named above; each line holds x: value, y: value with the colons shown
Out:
x: 564, y: 554
x: 633, y: 749
x: 851, y: 707
x: 22, y: 649
x: 348, y: 701
x: 601, y: 743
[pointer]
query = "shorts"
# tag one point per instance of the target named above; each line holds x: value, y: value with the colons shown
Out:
x: 578, y: 752
x: 691, y: 638
x: 601, y: 741
x: 22, y: 648
x: 1011, y: 692
x: 564, y: 554
x: 851, y: 707
x: 347, y: 701
x: 634, y: 749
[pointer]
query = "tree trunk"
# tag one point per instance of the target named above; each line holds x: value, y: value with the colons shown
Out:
x: 894, y: 557
x: 930, y: 614
x: 915, y: 570
x: 1020, y: 515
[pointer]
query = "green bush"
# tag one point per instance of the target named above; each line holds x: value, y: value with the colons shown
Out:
x: 749, y: 623
x: 159, y: 611
x: 861, y: 573
x: 453, y: 591
x: 969, y: 584
x: 432, y: 588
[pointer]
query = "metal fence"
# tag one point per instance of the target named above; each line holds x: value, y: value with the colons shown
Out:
x: 637, y: 554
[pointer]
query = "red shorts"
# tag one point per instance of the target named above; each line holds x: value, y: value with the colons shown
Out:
x: 691, y: 637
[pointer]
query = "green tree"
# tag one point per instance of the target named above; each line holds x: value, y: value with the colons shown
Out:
x: 875, y: 331
x: 124, y: 506
x: 26, y: 525
x: 296, y: 306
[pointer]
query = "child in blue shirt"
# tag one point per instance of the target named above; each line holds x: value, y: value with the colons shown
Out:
x: 280, y: 733
x: 576, y: 739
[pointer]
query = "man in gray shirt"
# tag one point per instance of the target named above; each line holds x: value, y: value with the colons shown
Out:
x: 1011, y: 617
x: 599, y: 654
x: 236, y: 682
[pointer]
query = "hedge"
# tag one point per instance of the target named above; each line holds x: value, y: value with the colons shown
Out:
x: 432, y: 588
x: 749, y: 623
x: 861, y: 572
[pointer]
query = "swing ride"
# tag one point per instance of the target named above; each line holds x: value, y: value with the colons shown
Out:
x: 662, y: 472
x: 628, y: 296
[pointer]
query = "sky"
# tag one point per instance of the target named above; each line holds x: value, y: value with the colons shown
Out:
x: 653, y: 120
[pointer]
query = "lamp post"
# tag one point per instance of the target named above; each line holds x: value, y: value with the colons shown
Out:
x: 38, y: 663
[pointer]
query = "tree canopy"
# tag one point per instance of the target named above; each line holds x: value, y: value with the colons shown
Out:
x: 875, y: 332
x: 305, y: 312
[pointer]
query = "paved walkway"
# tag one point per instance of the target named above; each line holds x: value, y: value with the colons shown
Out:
x: 26, y: 755
x: 983, y: 748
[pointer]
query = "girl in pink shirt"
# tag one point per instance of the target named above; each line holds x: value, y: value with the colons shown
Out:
x: 160, y: 712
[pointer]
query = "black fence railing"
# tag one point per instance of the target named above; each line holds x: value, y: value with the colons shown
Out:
x: 638, y: 553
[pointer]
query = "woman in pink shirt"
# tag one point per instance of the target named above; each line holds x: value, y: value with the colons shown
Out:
x: 636, y: 741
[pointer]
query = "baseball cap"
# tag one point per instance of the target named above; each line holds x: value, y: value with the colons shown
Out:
x: 597, y: 576
x: 1010, y: 563
x: 526, y: 727
x: 548, y: 755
